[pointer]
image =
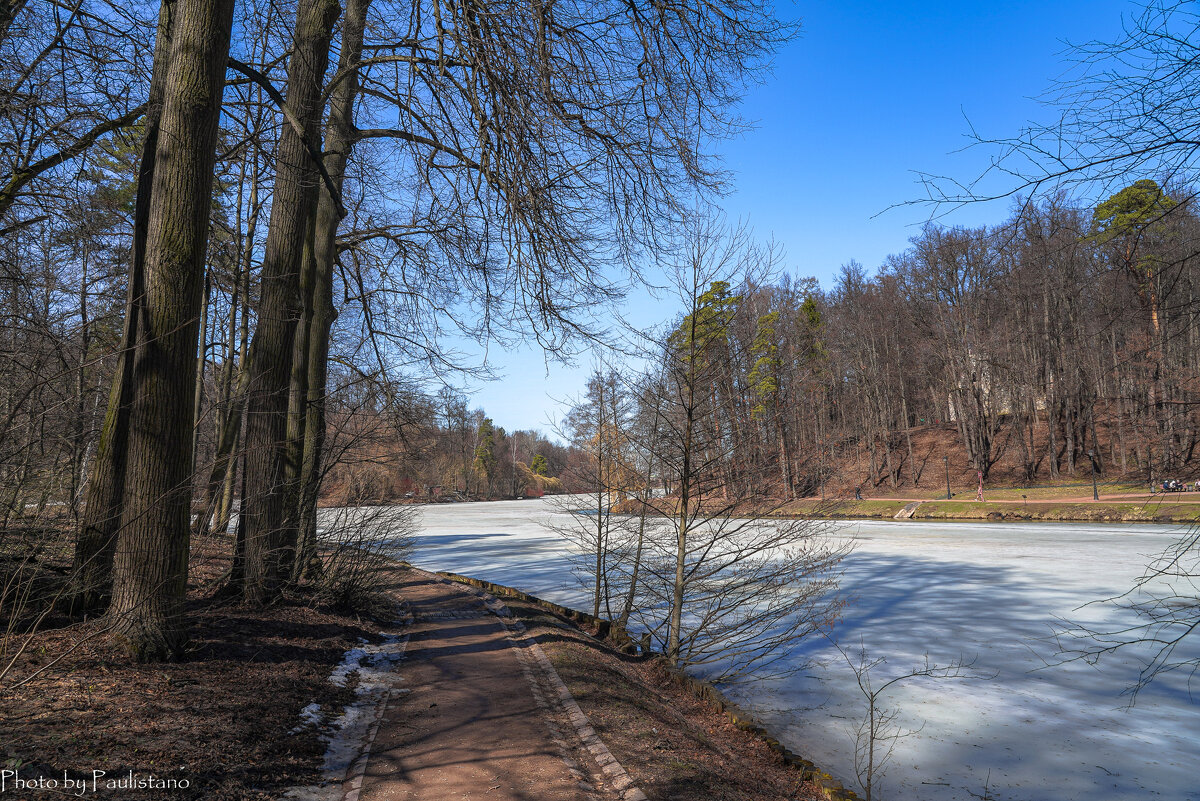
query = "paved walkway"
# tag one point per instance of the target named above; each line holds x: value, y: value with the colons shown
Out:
x: 480, y: 714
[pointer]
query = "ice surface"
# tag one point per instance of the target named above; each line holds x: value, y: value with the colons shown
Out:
x: 991, y: 592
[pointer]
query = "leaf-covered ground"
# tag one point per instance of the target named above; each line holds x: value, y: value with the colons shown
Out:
x: 218, y: 720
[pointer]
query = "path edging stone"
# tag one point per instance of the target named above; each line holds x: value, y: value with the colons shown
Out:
x: 614, y: 772
x: 830, y: 787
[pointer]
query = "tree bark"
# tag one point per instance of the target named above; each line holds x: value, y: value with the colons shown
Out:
x: 97, y: 536
x: 295, y: 200
x: 297, y: 411
x: 150, y: 563
x: 339, y: 140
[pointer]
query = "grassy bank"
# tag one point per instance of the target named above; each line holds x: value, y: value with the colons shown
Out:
x: 1157, y: 510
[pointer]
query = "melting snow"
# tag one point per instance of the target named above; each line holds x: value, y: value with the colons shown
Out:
x: 349, y: 734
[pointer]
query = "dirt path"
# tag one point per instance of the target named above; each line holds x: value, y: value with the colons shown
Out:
x: 481, y: 715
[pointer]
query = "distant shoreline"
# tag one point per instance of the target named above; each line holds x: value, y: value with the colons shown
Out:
x: 1158, y: 508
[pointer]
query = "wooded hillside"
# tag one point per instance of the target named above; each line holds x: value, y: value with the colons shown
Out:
x: 1058, y: 337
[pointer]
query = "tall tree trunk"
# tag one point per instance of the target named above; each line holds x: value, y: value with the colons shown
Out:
x: 201, y: 361
x: 339, y: 139
x: 150, y: 563
x: 912, y: 462
x: 785, y: 461
x: 297, y: 184
x: 600, y: 488
x: 887, y: 459
x: 297, y: 411
x: 97, y: 536
x: 631, y: 593
x: 78, y: 432
x: 689, y: 429
x: 1052, y: 441
x: 874, y: 464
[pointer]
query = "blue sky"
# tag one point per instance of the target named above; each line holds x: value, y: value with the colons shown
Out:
x: 869, y: 95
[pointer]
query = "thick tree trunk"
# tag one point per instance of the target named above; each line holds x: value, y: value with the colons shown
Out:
x: 97, y: 536
x: 297, y: 183
x: 316, y: 365
x: 297, y: 411
x: 150, y: 564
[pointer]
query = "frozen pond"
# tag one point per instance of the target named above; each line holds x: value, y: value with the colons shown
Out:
x: 987, y: 591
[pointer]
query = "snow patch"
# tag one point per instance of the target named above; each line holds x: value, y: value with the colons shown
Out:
x: 310, y: 717
x: 348, y: 736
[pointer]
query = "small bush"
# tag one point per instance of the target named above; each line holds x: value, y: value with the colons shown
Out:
x: 358, y: 545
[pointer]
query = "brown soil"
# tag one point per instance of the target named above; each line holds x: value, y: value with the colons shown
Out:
x: 938, y: 448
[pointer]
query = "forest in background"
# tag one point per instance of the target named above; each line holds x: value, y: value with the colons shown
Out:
x: 243, y: 243
x: 442, y: 451
x: 1012, y: 349
x: 1060, y: 342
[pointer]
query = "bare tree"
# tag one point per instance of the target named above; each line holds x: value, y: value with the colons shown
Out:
x: 1127, y: 111
x: 527, y: 154
x: 70, y: 74
x: 271, y: 523
x: 97, y: 538
x: 737, y: 589
x: 876, y: 736
x: 1161, y: 613
x: 1127, y: 107
x: 597, y: 525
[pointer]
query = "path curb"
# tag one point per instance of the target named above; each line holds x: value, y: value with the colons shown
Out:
x: 614, y: 772
x: 830, y: 787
